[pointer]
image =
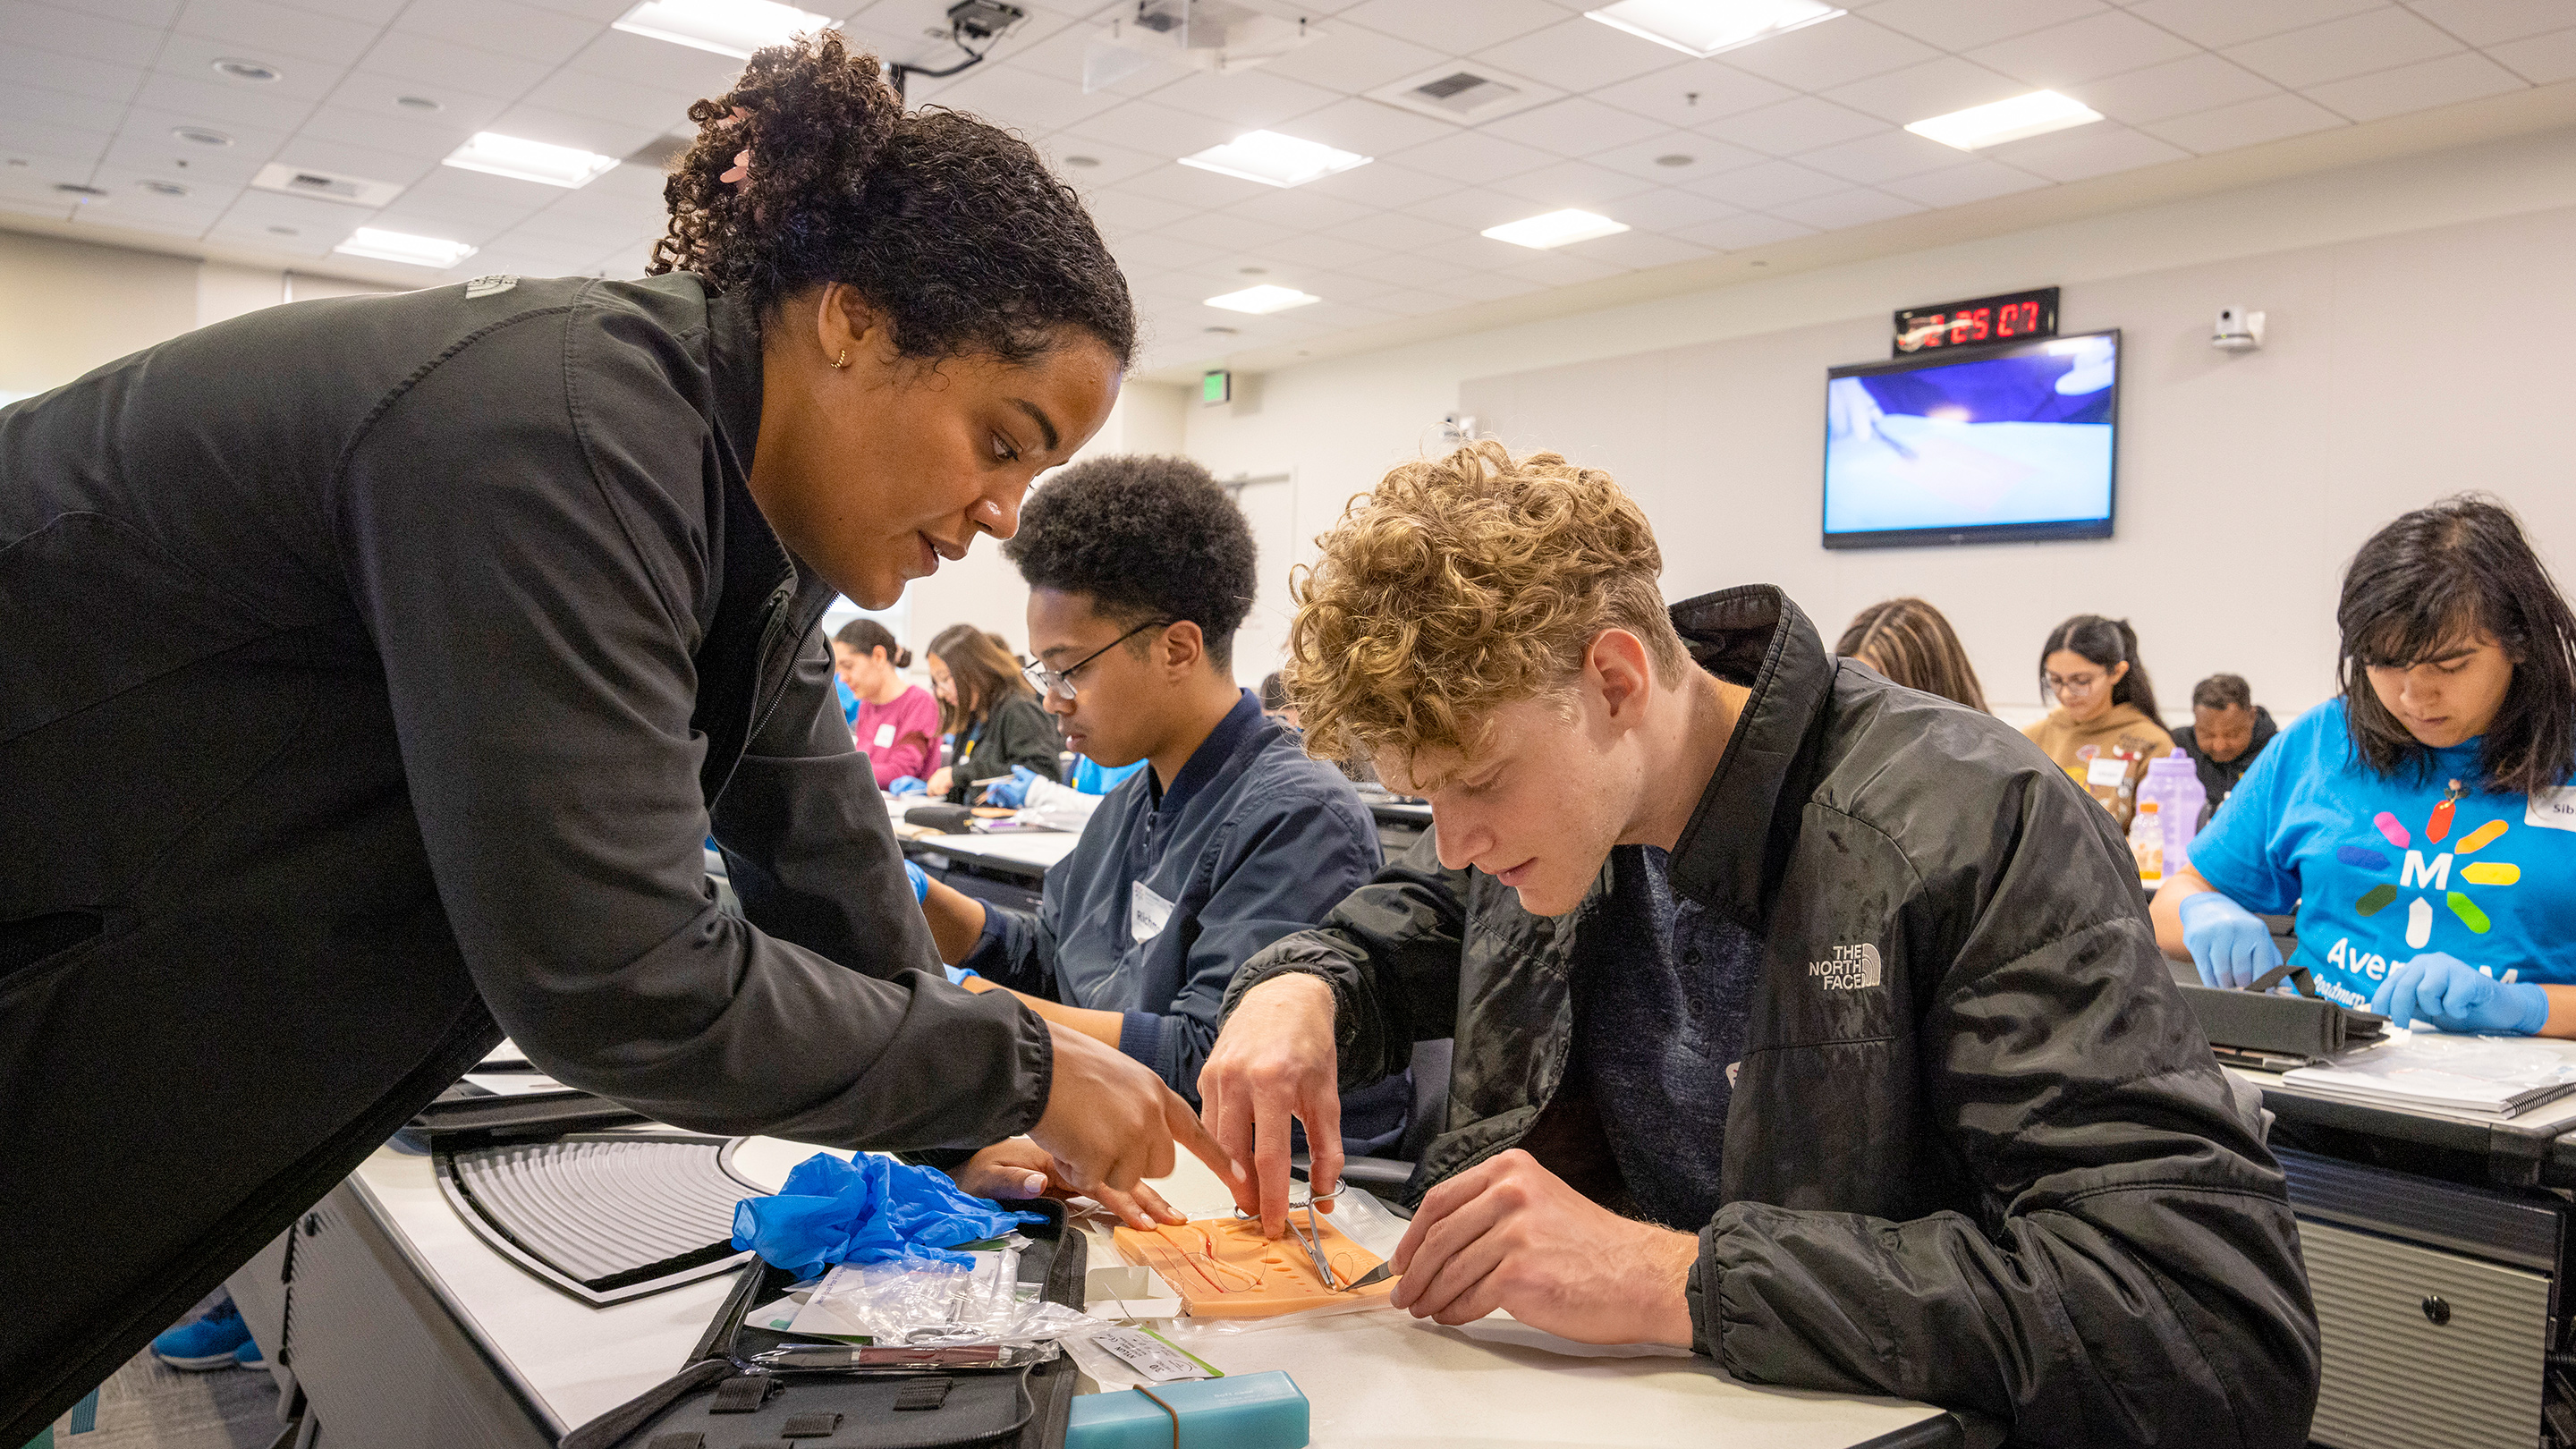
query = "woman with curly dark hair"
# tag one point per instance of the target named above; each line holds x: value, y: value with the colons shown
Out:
x: 472, y: 612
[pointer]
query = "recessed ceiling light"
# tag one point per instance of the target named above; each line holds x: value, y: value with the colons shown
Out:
x: 1274, y: 160
x: 74, y: 188
x: 285, y: 231
x: 1262, y: 299
x: 1253, y: 271
x: 501, y: 155
x: 395, y: 246
x: 1705, y: 27
x: 1221, y: 331
x: 163, y: 188
x: 1555, y: 229
x: 417, y: 103
x: 201, y: 135
x: 1085, y: 162
x: 1675, y: 159
x: 727, y: 27
x: 2035, y: 114
x: 249, y: 70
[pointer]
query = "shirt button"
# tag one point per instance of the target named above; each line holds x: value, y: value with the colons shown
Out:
x: 1690, y: 958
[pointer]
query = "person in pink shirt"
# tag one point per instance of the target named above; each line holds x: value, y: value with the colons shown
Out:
x: 898, y: 724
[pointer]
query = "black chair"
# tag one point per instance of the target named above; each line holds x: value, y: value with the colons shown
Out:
x: 1423, y: 1121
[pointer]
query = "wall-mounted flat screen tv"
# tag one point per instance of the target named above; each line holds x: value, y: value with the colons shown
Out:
x: 2005, y: 443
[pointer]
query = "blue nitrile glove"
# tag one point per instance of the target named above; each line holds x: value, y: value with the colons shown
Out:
x: 2230, y: 944
x: 2448, y: 992
x: 957, y: 974
x: 1012, y: 793
x: 867, y: 1210
x: 908, y: 785
x: 920, y: 882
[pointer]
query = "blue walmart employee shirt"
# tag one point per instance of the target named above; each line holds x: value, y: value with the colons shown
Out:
x: 1253, y: 841
x: 2381, y: 870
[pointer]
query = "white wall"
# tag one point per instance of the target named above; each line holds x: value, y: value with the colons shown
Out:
x: 2417, y: 307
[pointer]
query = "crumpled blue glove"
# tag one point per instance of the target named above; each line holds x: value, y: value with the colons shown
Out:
x: 2230, y: 944
x: 867, y: 1210
x: 908, y: 785
x: 920, y: 882
x: 1011, y: 793
x: 2449, y: 993
x: 957, y: 974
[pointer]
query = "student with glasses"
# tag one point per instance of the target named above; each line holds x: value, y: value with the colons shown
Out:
x: 2090, y: 667
x: 1140, y: 569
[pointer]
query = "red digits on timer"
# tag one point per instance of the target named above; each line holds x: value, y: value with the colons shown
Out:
x: 2018, y: 319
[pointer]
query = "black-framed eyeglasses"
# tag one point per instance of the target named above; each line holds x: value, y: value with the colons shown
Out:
x: 1060, y: 681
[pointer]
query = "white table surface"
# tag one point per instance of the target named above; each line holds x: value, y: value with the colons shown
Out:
x: 1378, y: 1378
x: 1039, y: 848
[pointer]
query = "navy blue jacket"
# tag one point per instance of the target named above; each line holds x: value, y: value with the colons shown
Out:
x: 1253, y: 841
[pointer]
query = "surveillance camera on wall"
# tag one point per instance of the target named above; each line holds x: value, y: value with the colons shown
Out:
x: 2238, y: 330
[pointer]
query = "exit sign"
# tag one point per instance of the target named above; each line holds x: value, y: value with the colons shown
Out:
x: 1216, y: 387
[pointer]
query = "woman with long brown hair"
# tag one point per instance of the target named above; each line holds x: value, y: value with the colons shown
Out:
x: 1908, y: 641
x: 990, y: 710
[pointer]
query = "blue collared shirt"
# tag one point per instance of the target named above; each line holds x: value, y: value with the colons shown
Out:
x: 1170, y: 890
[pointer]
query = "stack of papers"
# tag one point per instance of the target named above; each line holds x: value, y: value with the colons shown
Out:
x: 2494, y: 1076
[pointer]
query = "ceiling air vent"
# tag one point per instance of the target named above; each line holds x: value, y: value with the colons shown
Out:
x: 1466, y: 94
x: 325, y: 185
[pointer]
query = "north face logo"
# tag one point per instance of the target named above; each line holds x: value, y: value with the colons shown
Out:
x: 1852, y: 968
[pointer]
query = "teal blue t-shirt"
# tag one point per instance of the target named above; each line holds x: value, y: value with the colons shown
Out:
x: 2382, y: 869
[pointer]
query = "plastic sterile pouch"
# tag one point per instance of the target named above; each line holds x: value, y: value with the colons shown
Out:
x: 918, y: 1302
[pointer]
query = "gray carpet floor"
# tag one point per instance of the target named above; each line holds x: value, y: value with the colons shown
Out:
x: 149, y: 1405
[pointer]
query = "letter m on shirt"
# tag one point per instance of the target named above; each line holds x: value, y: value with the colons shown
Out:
x: 2434, y: 877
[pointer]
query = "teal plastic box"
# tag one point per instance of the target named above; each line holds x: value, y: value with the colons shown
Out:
x: 1248, y: 1411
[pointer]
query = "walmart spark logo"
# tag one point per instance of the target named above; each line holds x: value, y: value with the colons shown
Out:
x: 2431, y: 877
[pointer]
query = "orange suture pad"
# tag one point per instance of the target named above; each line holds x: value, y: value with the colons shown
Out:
x: 1224, y: 1268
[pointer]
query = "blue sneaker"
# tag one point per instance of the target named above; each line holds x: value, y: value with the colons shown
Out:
x: 208, y: 1343
x: 249, y: 1356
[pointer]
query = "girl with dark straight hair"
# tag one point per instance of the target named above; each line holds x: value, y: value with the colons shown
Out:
x: 2421, y: 824
x: 2106, y: 706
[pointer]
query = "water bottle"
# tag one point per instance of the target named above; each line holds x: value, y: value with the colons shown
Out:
x: 2173, y: 782
x: 2147, y: 844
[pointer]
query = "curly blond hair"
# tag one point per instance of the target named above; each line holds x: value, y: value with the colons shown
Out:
x: 1462, y: 584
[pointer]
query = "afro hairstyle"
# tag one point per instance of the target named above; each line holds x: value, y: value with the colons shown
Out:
x: 1142, y: 537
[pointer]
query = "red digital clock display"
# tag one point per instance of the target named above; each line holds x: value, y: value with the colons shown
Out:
x: 2008, y: 318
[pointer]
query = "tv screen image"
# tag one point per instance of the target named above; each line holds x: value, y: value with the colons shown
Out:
x: 2011, y: 443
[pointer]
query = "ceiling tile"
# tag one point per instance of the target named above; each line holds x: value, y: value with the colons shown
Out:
x: 1384, y: 184
x: 153, y: 127
x: 581, y: 93
x: 1450, y: 28
x: 1401, y: 231
x: 1156, y: 130
x: 1835, y: 52
x: 2246, y: 123
x: 1160, y: 252
x: 1226, y: 231
x: 1796, y: 125
x: 1760, y: 188
x: 2354, y: 45
x: 74, y: 32
x: 1330, y: 252
x: 1189, y: 186
x: 1706, y: 155
x: 221, y: 106
x: 1580, y: 54
x: 1738, y: 233
x: 378, y: 95
x: 2542, y: 59
x: 1572, y: 183
x: 1490, y: 287
x: 1298, y: 210
x: 1933, y: 88
x: 2197, y: 82
x: 2216, y: 23
x: 36, y: 141
x: 1883, y: 157
x: 437, y: 62
x: 562, y: 128
x: 1473, y: 158
x: 276, y: 34
x: 371, y: 12
x: 649, y: 62
x: 1966, y: 24
x: 23, y: 96
x: 1024, y: 102
x: 2421, y: 86
x: 1959, y: 185
x: 1370, y: 128
x: 1352, y: 58
x: 2082, y: 50
x: 1121, y: 210
x: 229, y: 167
x: 387, y: 132
x: 1111, y: 164
x: 1060, y: 57
x: 1692, y: 93
x: 1408, y: 270
x: 1247, y: 100
x: 1637, y: 250
x: 193, y: 57
x: 547, y: 37
x: 1560, y: 268
x: 1669, y: 209
x: 1855, y: 207
x: 2485, y: 22
x: 2094, y: 150
x: 1466, y: 211
x: 1413, y: 304
x: 1574, y: 126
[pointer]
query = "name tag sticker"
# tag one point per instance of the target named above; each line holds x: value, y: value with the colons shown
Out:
x: 2106, y: 770
x: 1147, y: 913
x: 885, y: 735
x: 490, y: 286
x: 2552, y: 809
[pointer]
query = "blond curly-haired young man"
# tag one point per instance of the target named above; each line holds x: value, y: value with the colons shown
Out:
x: 1806, y: 1020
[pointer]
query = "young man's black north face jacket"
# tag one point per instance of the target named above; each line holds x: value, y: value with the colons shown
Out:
x: 2001, y: 1174
x: 371, y: 672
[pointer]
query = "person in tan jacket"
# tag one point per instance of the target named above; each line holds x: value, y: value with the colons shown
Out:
x: 2105, y: 704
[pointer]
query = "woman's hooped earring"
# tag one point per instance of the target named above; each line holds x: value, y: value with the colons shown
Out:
x: 841, y: 361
